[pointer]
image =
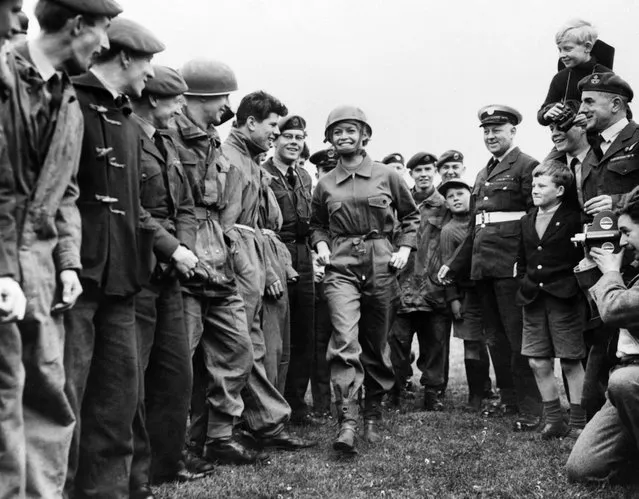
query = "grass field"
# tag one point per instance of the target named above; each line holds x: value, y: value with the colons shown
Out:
x: 451, y: 454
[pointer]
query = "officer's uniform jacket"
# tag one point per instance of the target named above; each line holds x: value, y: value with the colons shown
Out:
x: 114, y: 225
x: 420, y: 290
x: 362, y: 205
x: 546, y: 264
x: 45, y: 167
x: 617, y: 173
x: 491, y: 250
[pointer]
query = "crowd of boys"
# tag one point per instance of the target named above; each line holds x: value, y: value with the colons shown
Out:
x: 161, y: 308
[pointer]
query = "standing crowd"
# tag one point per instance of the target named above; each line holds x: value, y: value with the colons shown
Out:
x: 167, y: 297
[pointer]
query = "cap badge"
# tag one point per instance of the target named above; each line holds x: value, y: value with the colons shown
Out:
x: 330, y: 153
x: 455, y: 156
x: 595, y: 80
x: 490, y: 111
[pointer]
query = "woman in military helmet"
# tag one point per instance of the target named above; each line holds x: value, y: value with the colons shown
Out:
x: 355, y: 209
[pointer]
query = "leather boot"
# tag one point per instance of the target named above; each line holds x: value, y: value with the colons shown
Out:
x: 345, y: 441
x: 371, y: 431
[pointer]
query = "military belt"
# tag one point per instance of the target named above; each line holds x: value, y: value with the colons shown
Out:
x: 492, y: 217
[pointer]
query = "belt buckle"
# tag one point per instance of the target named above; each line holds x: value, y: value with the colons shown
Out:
x: 483, y: 218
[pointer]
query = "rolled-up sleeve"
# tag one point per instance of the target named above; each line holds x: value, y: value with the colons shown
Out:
x: 617, y: 304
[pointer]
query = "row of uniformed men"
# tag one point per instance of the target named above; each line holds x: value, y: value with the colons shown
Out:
x: 135, y: 243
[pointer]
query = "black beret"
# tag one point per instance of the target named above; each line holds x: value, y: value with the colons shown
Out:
x: 451, y: 184
x: 167, y: 82
x: 107, y: 8
x: 393, y: 158
x: 325, y: 158
x: 292, y: 122
x: 450, y: 155
x: 131, y: 35
x: 606, y: 82
x: 421, y: 158
x: 496, y: 114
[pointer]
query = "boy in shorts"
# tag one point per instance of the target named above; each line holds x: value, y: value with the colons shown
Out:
x: 554, y: 307
x: 462, y: 297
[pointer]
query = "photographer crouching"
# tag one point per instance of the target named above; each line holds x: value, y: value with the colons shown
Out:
x: 610, y: 441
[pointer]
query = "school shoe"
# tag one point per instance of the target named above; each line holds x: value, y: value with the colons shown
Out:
x: 371, y: 431
x: 554, y: 430
x: 432, y: 401
x: 229, y: 451
x: 305, y: 418
x: 526, y: 422
x: 474, y: 403
x: 345, y: 441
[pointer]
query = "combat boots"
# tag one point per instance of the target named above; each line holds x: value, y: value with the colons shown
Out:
x: 345, y: 441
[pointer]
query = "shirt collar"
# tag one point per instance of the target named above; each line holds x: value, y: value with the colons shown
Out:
x: 580, y: 157
x: 113, y: 91
x: 500, y: 158
x: 147, y: 127
x: 41, y: 61
x: 550, y: 210
x: 610, y: 133
x: 281, y: 167
x: 365, y: 170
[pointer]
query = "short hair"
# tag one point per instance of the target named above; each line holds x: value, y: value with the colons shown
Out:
x: 559, y: 172
x: 24, y: 22
x: 579, y: 31
x: 259, y: 105
x: 52, y: 16
x: 629, y: 205
x: 306, y: 153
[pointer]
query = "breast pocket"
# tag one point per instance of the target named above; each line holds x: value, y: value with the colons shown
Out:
x: 151, y: 183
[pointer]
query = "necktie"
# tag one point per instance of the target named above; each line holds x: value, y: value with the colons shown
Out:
x: 290, y: 177
x: 595, y: 143
x: 575, y: 166
x: 159, y: 143
x: 491, y: 165
x: 54, y: 86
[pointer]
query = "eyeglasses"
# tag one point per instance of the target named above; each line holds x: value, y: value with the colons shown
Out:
x: 290, y: 136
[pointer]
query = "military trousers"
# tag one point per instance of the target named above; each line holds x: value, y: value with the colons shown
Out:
x: 102, y: 382
x: 165, y: 383
x: 320, y: 372
x: 503, y: 322
x: 362, y: 299
x: 432, y: 329
x: 221, y: 352
x: 302, y: 305
x: 36, y: 419
x: 265, y: 409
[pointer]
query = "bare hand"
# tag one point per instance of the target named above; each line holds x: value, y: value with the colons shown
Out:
x: 13, y: 303
x: 554, y: 111
x: 71, y: 288
x: 598, y: 204
x: 607, y: 262
x: 443, y: 276
x: 323, y: 253
x: 455, y: 307
x: 275, y: 290
x: 399, y: 259
x: 580, y: 120
x: 184, y: 260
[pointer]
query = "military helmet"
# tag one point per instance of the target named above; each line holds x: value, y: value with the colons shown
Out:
x: 208, y: 78
x: 344, y: 113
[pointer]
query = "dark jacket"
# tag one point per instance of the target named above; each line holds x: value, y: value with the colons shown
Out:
x: 617, y: 173
x: 47, y: 223
x: 546, y: 264
x: 114, y: 226
x: 491, y: 251
x: 564, y: 85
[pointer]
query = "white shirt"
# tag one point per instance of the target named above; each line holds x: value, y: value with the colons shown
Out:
x: 578, y: 176
x: 505, y: 154
x: 113, y: 91
x: 610, y: 134
x: 41, y: 61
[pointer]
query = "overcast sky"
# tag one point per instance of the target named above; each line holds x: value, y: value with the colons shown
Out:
x: 420, y: 69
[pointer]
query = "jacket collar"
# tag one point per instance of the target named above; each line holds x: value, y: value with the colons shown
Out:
x: 365, y: 170
x: 628, y: 138
x: 241, y: 142
x: 505, y: 162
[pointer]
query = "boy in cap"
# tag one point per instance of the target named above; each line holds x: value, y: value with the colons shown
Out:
x: 44, y: 125
x: 462, y: 298
x: 554, y: 312
x: 292, y: 186
x: 165, y: 357
x: 101, y: 355
x: 422, y: 301
x: 501, y: 196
